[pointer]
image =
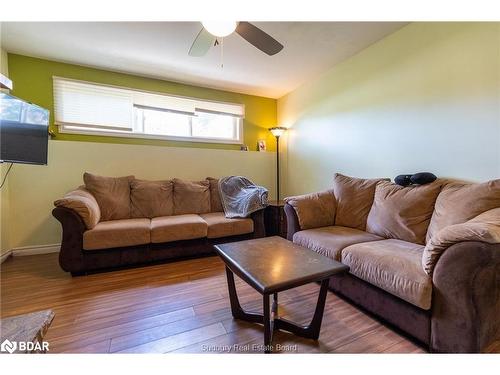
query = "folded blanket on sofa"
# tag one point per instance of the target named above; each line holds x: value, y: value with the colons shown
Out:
x: 241, y: 197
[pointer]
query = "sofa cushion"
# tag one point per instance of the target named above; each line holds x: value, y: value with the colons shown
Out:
x: 314, y: 210
x: 151, y: 198
x: 459, y: 202
x: 220, y: 226
x: 330, y: 241
x: 402, y: 212
x: 84, y: 204
x: 191, y: 197
x: 354, y: 199
x: 178, y: 227
x: 117, y: 233
x: 394, y: 266
x: 215, y: 199
x: 111, y: 193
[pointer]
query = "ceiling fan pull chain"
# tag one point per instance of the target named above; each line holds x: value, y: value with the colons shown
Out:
x: 222, y: 53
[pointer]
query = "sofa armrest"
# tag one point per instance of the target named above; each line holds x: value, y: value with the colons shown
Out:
x: 84, y: 204
x: 73, y: 227
x: 466, y: 298
x: 313, y: 210
x: 259, y: 229
x: 485, y: 227
x: 292, y: 221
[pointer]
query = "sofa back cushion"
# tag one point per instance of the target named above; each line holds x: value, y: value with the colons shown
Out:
x: 459, y: 202
x: 191, y: 197
x: 215, y: 199
x: 111, y: 193
x: 314, y: 210
x: 401, y: 212
x: 151, y: 198
x: 84, y: 204
x: 354, y: 199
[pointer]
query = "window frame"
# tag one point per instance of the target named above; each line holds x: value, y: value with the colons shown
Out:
x: 65, y: 128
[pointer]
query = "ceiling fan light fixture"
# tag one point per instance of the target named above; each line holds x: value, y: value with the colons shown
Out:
x: 220, y: 28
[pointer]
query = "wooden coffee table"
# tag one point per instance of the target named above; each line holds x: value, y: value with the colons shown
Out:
x: 271, y: 265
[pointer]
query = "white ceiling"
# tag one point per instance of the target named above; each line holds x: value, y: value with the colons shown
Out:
x: 160, y: 50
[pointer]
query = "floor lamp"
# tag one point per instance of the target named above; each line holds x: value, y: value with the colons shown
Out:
x: 278, y: 132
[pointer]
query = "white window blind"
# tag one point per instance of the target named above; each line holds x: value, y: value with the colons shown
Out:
x: 220, y: 109
x: 93, y: 106
x: 89, y: 108
x: 171, y: 103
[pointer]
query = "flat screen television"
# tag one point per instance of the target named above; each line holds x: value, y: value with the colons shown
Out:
x: 24, y: 131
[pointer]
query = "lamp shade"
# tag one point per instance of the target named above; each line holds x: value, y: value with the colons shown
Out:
x: 278, y: 131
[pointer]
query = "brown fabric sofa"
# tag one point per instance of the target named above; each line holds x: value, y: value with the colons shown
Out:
x: 115, y: 222
x: 425, y: 259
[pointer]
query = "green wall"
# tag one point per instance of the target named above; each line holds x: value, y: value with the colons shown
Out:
x: 32, y: 79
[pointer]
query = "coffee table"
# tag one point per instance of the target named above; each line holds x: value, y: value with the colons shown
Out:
x: 271, y: 265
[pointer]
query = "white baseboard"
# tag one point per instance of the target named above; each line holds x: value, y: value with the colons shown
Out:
x: 4, y: 257
x: 31, y: 250
x: 34, y: 250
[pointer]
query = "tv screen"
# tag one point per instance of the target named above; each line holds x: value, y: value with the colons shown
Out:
x: 24, y: 131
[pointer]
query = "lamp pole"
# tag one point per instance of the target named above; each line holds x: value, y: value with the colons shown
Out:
x: 277, y: 132
x: 278, y: 168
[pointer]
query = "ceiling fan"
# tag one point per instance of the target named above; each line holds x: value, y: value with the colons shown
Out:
x: 212, y: 31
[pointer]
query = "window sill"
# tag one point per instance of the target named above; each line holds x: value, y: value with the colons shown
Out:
x: 62, y: 130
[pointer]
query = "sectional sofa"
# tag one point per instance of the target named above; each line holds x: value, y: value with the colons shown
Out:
x: 424, y: 258
x: 114, y: 222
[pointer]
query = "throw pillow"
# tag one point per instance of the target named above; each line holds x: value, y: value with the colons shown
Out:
x: 314, y: 210
x: 215, y: 199
x: 191, y: 197
x: 401, y: 212
x: 354, y: 199
x: 111, y: 193
x: 151, y: 198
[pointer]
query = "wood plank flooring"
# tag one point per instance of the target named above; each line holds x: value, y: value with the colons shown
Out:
x: 180, y: 307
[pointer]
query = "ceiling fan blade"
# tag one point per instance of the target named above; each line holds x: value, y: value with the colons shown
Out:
x: 202, y: 43
x: 263, y: 41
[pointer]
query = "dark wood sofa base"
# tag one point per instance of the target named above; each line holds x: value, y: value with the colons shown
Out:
x: 134, y: 256
x: 406, y: 318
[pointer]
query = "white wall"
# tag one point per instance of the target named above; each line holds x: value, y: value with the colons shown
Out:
x: 426, y: 98
x: 33, y: 188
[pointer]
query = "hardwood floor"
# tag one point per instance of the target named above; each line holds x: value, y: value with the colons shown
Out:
x: 180, y: 307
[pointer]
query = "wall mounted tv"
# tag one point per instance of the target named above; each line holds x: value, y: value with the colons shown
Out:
x: 24, y: 131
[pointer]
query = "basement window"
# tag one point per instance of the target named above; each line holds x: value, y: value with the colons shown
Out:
x: 89, y: 108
